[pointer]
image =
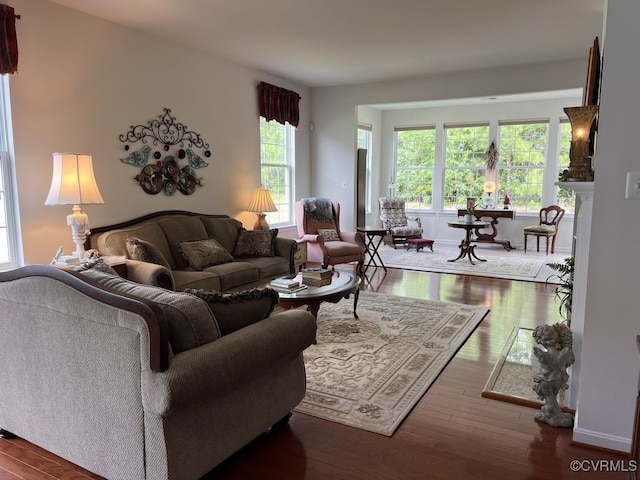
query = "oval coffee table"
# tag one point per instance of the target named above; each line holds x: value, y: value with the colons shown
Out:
x: 342, y: 286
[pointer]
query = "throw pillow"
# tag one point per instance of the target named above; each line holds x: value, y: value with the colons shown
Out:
x: 329, y: 234
x: 256, y: 243
x: 234, y: 311
x: 144, y: 251
x: 204, y: 253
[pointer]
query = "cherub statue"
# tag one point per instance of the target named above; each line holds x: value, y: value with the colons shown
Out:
x: 555, y: 356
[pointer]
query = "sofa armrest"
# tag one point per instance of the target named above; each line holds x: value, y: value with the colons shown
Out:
x: 196, y: 375
x: 150, y: 274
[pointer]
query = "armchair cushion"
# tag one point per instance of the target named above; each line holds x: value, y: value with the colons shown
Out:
x: 204, y: 253
x: 145, y: 252
x: 256, y: 243
x: 234, y: 311
x: 406, y: 230
x: 329, y: 234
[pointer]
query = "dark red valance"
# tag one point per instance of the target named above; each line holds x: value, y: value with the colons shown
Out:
x: 8, y: 40
x: 278, y: 104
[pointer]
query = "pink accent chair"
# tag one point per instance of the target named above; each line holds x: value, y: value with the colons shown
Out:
x: 318, y: 223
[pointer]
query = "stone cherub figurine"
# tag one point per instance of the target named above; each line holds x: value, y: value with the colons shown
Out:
x: 555, y: 356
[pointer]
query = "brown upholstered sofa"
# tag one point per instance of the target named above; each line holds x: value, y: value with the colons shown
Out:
x: 137, y: 382
x: 162, y: 239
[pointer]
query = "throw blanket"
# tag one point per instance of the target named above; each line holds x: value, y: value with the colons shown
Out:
x: 8, y: 40
x: 319, y: 209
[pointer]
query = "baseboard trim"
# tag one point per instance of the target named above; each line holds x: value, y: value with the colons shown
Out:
x: 597, y: 439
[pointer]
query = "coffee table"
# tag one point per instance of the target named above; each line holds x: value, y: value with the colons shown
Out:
x: 342, y: 286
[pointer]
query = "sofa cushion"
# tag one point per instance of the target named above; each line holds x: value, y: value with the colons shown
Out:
x: 256, y: 243
x: 145, y: 252
x: 225, y: 230
x: 181, y: 228
x: 234, y: 274
x: 234, y: 311
x: 204, y: 253
x: 190, y: 320
x: 114, y: 243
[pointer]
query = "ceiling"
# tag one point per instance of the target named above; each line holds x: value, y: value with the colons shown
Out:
x: 340, y: 42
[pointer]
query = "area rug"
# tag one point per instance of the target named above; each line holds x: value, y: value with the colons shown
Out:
x: 499, y: 264
x: 369, y: 372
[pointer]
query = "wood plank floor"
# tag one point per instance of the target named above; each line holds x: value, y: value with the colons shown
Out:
x: 452, y: 433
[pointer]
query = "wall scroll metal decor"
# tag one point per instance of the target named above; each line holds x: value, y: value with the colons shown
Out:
x: 165, y: 174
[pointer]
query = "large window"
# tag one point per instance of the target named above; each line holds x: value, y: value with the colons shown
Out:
x: 521, y: 168
x: 277, y: 147
x: 464, y: 171
x: 365, y: 141
x: 9, y: 234
x: 415, y: 162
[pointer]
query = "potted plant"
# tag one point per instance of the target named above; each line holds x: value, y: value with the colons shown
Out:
x: 564, y: 288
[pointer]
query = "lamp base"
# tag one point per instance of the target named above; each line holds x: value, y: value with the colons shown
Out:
x: 261, y: 222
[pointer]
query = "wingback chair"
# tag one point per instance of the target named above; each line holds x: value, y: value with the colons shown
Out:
x: 394, y: 220
x: 318, y: 223
x: 547, y: 227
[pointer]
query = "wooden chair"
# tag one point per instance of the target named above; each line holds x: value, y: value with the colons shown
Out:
x: 547, y: 227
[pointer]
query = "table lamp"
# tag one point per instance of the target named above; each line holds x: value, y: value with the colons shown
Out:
x: 489, y: 188
x: 261, y: 202
x: 73, y: 183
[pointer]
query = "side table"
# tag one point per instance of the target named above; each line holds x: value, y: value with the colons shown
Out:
x: 373, y: 237
x: 466, y: 249
x: 300, y: 256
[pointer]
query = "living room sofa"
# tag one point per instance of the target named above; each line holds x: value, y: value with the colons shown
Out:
x: 137, y: 382
x: 164, y: 236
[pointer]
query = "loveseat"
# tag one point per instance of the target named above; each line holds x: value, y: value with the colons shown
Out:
x: 137, y: 382
x: 178, y: 249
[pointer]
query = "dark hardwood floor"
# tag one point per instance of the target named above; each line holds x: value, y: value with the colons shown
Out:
x: 452, y: 433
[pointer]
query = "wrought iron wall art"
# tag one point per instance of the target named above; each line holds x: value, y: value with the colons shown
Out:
x: 165, y: 174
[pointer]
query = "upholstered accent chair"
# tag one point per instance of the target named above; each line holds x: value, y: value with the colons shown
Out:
x: 399, y: 227
x: 318, y: 223
x: 547, y: 227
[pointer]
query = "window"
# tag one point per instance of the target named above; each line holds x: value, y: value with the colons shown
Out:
x: 415, y: 161
x: 277, y: 147
x: 565, y: 198
x: 365, y: 141
x: 522, y: 164
x: 464, y: 164
x: 9, y: 233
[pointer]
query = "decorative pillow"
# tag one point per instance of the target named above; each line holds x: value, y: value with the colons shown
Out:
x: 329, y: 234
x: 256, y: 243
x: 145, y: 252
x: 234, y: 311
x: 204, y: 253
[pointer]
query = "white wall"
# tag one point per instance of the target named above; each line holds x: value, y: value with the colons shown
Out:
x: 610, y: 359
x: 83, y: 81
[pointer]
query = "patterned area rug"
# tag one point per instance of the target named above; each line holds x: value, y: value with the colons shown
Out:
x: 369, y: 373
x: 499, y: 264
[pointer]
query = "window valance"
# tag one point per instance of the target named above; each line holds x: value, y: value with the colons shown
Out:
x: 278, y: 104
x: 8, y: 40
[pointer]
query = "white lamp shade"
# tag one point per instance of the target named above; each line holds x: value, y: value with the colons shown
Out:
x: 73, y: 181
x: 261, y: 201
